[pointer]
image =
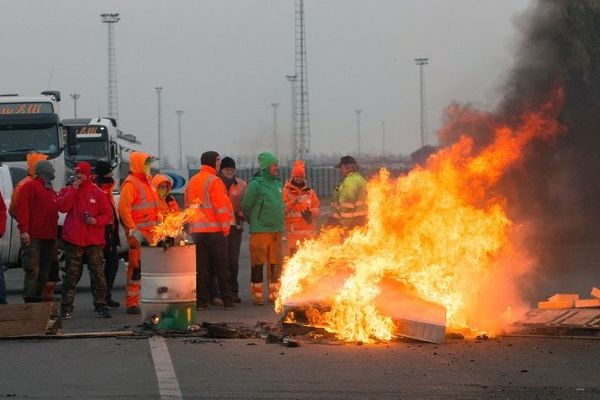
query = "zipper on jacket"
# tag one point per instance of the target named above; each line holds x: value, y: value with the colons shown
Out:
x: 260, y: 210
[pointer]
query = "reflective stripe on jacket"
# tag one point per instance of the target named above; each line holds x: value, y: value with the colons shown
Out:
x: 349, y: 205
x: 208, y: 194
x: 145, y: 206
x: 298, y: 199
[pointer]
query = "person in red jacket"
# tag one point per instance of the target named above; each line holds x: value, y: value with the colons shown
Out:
x: 37, y: 217
x: 88, y: 212
x: 103, y: 178
x: 2, y: 229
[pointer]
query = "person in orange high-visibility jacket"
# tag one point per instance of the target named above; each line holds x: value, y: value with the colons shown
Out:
x: 139, y: 208
x: 163, y: 186
x: 301, y: 208
x: 210, y: 228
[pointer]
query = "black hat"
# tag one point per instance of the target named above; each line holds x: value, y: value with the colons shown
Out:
x: 209, y: 158
x: 346, y: 160
x: 102, y: 168
x: 227, y: 162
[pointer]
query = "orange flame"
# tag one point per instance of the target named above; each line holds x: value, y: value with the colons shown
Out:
x: 172, y: 224
x: 441, y: 233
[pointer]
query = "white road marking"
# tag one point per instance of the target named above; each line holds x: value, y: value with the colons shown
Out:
x: 168, y: 386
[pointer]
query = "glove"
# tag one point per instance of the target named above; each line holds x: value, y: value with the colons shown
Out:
x: 132, y: 242
x: 307, y: 215
x: 25, y: 239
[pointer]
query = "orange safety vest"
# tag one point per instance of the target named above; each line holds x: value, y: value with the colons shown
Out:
x: 298, y: 199
x: 145, y: 207
x: 216, y: 211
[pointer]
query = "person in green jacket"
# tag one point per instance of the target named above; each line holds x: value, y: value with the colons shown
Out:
x: 348, y: 206
x: 263, y: 208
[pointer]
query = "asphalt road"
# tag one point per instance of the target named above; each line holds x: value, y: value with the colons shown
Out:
x: 156, y: 368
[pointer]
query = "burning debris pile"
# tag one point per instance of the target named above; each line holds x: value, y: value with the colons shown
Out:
x: 439, y: 235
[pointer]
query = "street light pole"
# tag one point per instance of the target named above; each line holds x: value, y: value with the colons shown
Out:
x: 75, y: 96
x: 421, y: 62
x: 180, y: 158
x: 293, y: 79
x: 358, y: 129
x: 160, y: 150
x: 275, y: 105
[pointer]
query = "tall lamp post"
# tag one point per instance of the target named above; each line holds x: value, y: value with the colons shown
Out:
x: 292, y: 79
x: 75, y: 97
x: 180, y: 158
x: 160, y: 149
x: 422, y: 62
x: 358, y: 130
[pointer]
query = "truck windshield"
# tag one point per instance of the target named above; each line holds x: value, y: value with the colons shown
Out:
x: 91, y: 150
x: 17, y: 140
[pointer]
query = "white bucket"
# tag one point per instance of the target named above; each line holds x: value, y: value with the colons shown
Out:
x: 168, y: 279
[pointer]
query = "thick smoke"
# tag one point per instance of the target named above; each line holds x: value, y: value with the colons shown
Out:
x: 557, y: 188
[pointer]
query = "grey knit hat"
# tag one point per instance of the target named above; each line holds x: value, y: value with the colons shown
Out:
x: 44, y: 170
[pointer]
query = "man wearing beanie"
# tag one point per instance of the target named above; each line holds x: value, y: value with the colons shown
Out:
x: 235, y: 190
x: 88, y: 212
x: 209, y: 228
x: 263, y: 208
x: 103, y: 178
x: 37, y: 217
x: 301, y: 208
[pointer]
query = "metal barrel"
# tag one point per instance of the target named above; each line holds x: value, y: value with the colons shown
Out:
x: 169, y: 285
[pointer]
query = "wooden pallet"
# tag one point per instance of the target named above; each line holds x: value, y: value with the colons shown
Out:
x: 567, y: 322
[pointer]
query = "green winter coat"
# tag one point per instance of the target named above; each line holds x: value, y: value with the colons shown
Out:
x: 349, y: 205
x: 263, y: 204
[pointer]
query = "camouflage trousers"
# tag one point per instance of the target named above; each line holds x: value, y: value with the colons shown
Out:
x: 40, y: 265
x: 74, y: 256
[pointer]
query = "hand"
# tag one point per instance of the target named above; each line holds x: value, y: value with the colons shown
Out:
x: 132, y: 242
x: 76, y: 183
x: 25, y: 239
x: 91, y: 221
x: 226, y: 232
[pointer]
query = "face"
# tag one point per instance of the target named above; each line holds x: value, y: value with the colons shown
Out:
x: 228, y: 172
x: 81, y: 176
x: 163, y: 190
x: 298, y: 180
x: 274, y: 169
x: 345, y: 169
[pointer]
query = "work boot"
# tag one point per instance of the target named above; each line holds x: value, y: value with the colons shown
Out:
x: 201, y: 304
x: 217, y: 301
x: 103, y: 312
x: 113, y: 304
x: 273, y: 292
x: 236, y: 298
x: 228, y: 304
x: 134, y: 310
x: 66, y: 314
x: 256, y: 290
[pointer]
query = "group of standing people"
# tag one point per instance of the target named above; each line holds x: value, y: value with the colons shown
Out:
x: 224, y: 202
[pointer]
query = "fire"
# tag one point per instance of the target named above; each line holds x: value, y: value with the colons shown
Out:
x: 172, y: 224
x: 440, y: 234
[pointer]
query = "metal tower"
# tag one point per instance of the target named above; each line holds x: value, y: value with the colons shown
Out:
x: 75, y: 97
x: 302, y: 116
x: 421, y: 62
x: 113, y: 105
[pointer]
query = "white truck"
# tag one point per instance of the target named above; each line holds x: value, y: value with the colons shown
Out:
x: 29, y: 123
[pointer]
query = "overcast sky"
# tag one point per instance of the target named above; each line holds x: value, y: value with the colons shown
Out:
x: 223, y: 62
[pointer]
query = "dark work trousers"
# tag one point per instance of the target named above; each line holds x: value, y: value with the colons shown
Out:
x: 234, y: 244
x: 211, y: 249
x: 111, y: 259
x: 37, y: 259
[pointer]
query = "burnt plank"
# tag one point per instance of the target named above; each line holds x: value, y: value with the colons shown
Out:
x: 22, y: 312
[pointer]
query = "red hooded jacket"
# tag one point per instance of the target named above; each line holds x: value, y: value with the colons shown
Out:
x: 90, y: 199
x: 36, y: 212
